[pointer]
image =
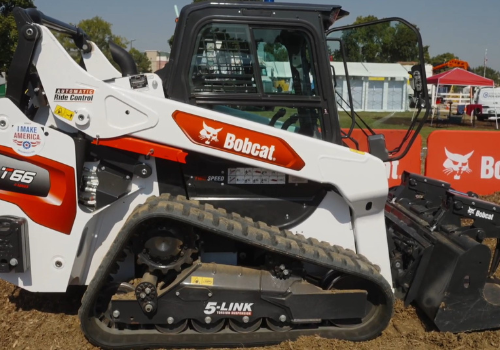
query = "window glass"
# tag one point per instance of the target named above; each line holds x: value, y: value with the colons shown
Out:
x: 304, y: 120
x: 285, y: 62
x: 223, y: 61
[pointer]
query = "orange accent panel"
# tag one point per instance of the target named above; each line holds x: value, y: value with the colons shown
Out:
x: 144, y: 147
x: 57, y: 210
x: 236, y: 140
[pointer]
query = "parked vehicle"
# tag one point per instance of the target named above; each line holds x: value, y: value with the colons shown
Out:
x: 489, y: 100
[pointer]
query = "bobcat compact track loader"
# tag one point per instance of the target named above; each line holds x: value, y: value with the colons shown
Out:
x: 215, y: 202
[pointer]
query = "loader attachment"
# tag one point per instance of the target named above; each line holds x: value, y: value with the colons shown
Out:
x: 439, y: 258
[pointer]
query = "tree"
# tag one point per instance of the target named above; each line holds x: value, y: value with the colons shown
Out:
x: 142, y: 60
x: 490, y: 73
x: 8, y: 30
x: 99, y: 32
x: 442, y: 58
x: 277, y: 51
x: 385, y: 42
x: 194, y: 1
x: 171, y: 40
x: 427, y: 55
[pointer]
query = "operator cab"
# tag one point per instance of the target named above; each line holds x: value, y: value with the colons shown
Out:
x: 258, y: 61
x: 268, y: 63
x: 276, y: 64
x: 262, y: 62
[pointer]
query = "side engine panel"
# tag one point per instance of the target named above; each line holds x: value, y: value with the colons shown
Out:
x: 268, y: 196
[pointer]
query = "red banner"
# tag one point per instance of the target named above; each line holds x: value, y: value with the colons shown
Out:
x: 410, y: 162
x: 468, y: 160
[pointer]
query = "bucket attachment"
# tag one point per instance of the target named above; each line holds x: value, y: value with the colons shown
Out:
x: 438, y: 257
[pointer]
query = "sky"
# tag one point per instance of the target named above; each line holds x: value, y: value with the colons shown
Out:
x: 464, y: 27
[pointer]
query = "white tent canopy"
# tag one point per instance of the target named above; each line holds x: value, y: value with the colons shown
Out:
x: 360, y: 69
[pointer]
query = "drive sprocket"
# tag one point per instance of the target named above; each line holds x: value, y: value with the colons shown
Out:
x: 166, y: 248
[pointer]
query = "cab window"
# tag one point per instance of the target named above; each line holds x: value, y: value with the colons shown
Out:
x: 277, y: 65
x: 222, y: 61
x: 285, y: 61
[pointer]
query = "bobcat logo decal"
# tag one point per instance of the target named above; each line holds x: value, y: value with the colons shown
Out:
x: 457, y: 164
x: 209, y: 134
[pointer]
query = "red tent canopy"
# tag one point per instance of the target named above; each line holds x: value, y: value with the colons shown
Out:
x: 459, y: 76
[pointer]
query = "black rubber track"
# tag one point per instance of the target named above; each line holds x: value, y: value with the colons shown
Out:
x: 232, y: 226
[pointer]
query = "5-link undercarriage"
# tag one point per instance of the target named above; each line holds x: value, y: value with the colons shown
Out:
x: 292, y: 286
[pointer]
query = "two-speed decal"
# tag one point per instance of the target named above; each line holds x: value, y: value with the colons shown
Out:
x: 243, y: 142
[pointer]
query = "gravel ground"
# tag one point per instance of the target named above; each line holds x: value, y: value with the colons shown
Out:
x: 49, y: 321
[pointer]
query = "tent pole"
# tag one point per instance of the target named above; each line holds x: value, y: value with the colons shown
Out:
x: 435, y: 101
x: 432, y: 105
x: 470, y: 102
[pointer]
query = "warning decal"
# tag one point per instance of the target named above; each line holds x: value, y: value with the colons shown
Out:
x: 255, y: 176
x: 204, y: 281
x: 64, y: 113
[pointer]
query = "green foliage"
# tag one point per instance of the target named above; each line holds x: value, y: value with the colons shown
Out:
x: 99, y: 32
x: 8, y: 30
x: 171, y: 41
x: 442, y: 58
x: 427, y: 55
x: 194, y: 1
x: 142, y: 61
x: 386, y: 42
x: 278, y: 52
x: 366, y: 19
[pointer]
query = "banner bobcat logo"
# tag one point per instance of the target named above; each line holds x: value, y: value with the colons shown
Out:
x: 209, y: 134
x: 456, y: 164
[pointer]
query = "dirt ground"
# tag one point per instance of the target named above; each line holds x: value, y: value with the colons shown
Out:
x: 49, y: 321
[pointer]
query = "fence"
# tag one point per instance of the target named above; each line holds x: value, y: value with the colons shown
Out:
x: 456, y: 98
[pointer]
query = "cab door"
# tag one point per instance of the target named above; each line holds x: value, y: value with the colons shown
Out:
x: 268, y: 75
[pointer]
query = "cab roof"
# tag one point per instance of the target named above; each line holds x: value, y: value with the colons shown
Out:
x: 329, y: 13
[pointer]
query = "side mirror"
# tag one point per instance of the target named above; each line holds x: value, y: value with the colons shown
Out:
x: 377, y: 147
x: 417, y: 85
x: 334, y: 76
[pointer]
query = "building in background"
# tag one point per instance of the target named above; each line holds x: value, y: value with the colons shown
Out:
x: 375, y: 87
x: 158, y: 59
